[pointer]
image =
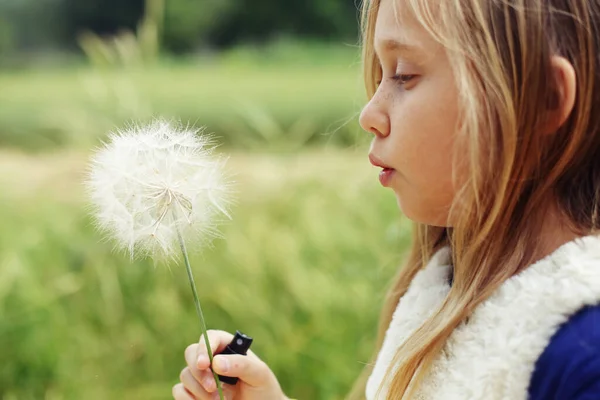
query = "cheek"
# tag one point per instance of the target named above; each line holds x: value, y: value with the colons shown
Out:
x: 423, y: 140
x: 424, y: 133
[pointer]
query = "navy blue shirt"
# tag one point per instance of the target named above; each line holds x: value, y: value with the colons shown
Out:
x: 569, y: 367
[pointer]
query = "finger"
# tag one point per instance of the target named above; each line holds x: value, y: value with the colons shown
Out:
x: 204, y: 376
x: 207, y: 380
x: 250, y: 369
x: 179, y: 393
x: 191, y: 357
x: 191, y: 354
x: 190, y: 383
x: 218, y: 341
x: 193, y: 386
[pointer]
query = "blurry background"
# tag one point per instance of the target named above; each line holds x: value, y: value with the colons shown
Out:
x: 313, y: 242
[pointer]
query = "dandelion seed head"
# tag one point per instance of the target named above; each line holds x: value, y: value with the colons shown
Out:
x: 149, y: 182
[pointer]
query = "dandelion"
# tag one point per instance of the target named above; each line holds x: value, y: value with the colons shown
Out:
x: 154, y: 188
x: 150, y: 182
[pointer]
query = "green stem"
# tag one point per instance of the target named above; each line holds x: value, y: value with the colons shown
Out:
x: 198, y: 308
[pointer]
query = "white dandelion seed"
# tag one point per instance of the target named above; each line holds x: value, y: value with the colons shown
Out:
x: 150, y: 183
x: 154, y: 188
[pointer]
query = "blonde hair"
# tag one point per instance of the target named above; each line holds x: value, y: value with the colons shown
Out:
x: 500, y: 52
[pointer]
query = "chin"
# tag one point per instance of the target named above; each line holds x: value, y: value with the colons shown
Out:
x: 422, y: 215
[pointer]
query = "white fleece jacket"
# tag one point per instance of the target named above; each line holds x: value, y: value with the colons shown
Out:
x: 492, y: 356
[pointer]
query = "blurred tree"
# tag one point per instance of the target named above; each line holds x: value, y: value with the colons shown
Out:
x: 189, y: 22
x: 103, y: 17
x: 258, y: 20
x: 186, y: 25
x: 30, y: 24
x: 6, y: 36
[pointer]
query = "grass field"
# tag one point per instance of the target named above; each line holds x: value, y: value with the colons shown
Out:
x: 274, y: 101
x: 303, y: 267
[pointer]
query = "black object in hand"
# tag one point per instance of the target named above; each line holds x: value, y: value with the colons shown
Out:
x: 238, y: 345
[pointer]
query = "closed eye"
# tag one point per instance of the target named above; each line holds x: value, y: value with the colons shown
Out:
x: 403, y: 78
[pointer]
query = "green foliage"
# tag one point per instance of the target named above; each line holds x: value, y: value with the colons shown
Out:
x: 188, y: 22
x: 260, y: 20
x: 123, y: 49
x: 149, y: 29
x: 103, y: 17
x: 283, y: 96
x: 6, y: 36
x: 181, y: 26
x: 312, y: 245
x: 127, y: 48
x: 30, y: 25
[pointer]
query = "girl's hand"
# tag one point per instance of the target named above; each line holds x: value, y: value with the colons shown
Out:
x: 256, y: 380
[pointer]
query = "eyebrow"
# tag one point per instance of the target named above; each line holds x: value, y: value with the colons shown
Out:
x: 392, y: 45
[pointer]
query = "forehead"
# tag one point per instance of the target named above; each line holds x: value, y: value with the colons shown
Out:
x: 396, y: 24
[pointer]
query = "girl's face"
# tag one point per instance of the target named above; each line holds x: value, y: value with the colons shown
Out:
x: 413, y: 116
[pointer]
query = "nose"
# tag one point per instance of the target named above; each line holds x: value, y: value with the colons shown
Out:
x: 373, y: 119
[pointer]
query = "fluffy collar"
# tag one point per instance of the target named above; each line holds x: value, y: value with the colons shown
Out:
x: 492, y: 357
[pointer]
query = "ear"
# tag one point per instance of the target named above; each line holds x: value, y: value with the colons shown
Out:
x: 562, y: 102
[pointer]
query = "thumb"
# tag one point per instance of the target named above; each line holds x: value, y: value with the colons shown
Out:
x: 250, y: 369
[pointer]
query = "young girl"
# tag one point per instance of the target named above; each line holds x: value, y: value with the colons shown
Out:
x: 485, y: 117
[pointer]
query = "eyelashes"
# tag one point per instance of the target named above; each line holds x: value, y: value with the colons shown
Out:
x: 401, y: 79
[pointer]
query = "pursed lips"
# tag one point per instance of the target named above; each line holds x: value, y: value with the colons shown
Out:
x: 377, y: 162
x: 387, y: 173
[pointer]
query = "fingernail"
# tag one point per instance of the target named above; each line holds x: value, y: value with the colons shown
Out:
x: 222, y: 364
x: 202, y: 360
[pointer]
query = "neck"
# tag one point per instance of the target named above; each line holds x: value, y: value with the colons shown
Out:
x: 554, y: 233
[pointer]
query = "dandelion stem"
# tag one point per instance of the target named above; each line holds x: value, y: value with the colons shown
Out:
x: 198, y: 307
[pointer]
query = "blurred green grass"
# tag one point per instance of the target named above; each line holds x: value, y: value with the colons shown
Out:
x: 303, y: 268
x: 283, y: 97
x: 304, y: 264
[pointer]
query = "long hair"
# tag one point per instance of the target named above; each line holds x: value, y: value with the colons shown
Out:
x: 500, y: 52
